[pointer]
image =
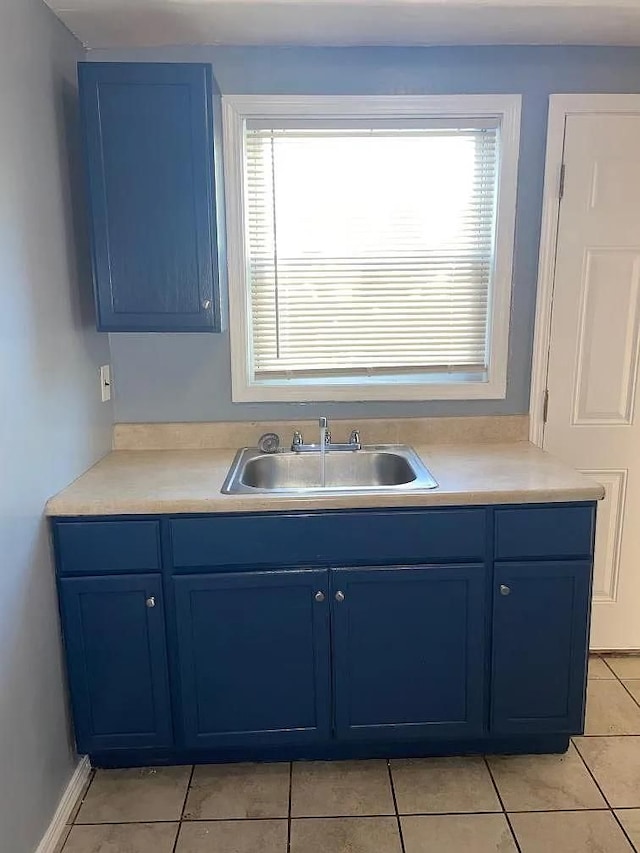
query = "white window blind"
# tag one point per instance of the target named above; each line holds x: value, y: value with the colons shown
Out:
x: 370, y: 251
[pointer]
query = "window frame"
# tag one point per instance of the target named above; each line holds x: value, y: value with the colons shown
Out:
x: 238, y: 109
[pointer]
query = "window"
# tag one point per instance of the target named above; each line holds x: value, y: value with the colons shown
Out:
x: 370, y: 246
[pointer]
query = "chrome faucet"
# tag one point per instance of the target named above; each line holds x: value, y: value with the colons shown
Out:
x: 298, y: 445
x: 323, y: 423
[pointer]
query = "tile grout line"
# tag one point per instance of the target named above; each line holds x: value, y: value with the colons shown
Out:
x: 395, y: 805
x: 604, y: 796
x: 604, y: 660
x: 68, y: 827
x: 604, y: 808
x: 184, y: 805
x: 502, y: 806
x: 595, y: 781
x: 620, y: 681
x: 619, y: 822
x: 615, y: 674
x: 637, y: 701
x: 289, y: 806
x: 83, y: 796
x: 130, y: 822
x: 608, y: 734
x: 186, y: 793
x: 574, y: 810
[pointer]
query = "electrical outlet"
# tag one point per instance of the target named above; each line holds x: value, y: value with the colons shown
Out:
x: 105, y: 382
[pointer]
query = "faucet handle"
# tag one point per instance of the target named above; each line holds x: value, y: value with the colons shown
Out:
x: 354, y: 438
x: 298, y: 440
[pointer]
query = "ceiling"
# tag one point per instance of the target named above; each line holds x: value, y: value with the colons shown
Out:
x: 129, y: 23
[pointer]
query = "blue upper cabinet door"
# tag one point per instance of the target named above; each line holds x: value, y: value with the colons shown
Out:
x: 254, y: 657
x: 117, y: 662
x: 408, y: 651
x: 149, y: 138
x: 540, y: 640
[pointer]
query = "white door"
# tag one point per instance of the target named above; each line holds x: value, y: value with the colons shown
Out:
x: 592, y: 418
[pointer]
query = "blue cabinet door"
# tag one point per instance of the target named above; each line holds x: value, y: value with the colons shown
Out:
x: 540, y: 642
x: 149, y: 140
x: 408, y: 651
x: 254, y: 657
x: 117, y: 662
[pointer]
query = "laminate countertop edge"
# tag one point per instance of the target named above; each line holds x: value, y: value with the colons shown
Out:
x: 148, y: 482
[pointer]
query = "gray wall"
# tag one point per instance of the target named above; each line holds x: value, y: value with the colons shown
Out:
x: 182, y: 377
x: 52, y: 425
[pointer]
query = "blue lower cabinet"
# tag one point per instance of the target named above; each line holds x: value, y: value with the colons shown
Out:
x: 540, y: 641
x: 114, y: 634
x: 253, y: 651
x: 453, y: 630
x: 408, y: 652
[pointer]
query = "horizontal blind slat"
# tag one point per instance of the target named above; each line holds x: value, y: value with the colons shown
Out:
x: 369, y: 249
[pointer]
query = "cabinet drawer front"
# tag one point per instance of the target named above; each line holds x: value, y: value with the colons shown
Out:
x: 342, y: 538
x: 544, y: 532
x: 110, y: 547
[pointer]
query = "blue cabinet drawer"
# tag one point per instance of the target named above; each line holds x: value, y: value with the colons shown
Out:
x: 344, y: 538
x: 97, y: 547
x: 544, y: 532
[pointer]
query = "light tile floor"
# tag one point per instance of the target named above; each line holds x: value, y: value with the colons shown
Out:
x: 586, y: 801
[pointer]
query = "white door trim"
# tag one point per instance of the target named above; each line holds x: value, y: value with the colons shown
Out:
x: 560, y: 106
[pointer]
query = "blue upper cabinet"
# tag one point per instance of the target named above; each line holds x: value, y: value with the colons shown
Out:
x: 151, y: 143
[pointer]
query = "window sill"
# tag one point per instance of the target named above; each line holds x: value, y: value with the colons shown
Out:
x: 398, y: 389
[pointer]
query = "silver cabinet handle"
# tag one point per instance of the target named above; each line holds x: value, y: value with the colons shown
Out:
x: 505, y: 590
x: 340, y: 596
x: 319, y: 596
x: 151, y: 601
x: 206, y: 304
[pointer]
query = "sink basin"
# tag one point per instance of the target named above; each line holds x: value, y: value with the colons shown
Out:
x: 372, y: 469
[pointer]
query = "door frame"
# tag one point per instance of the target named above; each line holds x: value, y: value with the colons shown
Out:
x: 560, y: 107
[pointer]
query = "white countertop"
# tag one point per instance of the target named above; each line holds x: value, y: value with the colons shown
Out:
x: 189, y: 481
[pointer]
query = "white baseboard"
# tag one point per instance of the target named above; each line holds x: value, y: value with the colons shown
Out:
x: 68, y: 800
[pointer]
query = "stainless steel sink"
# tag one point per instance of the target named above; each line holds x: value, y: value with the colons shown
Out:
x: 376, y: 468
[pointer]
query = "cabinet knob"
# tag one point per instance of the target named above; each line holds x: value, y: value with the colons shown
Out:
x: 151, y: 601
x: 206, y: 304
x: 319, y: 596
x: 340, y: 595
x: 505, y: 590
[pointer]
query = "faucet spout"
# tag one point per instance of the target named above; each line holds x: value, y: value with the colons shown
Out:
x: 325, y: 433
